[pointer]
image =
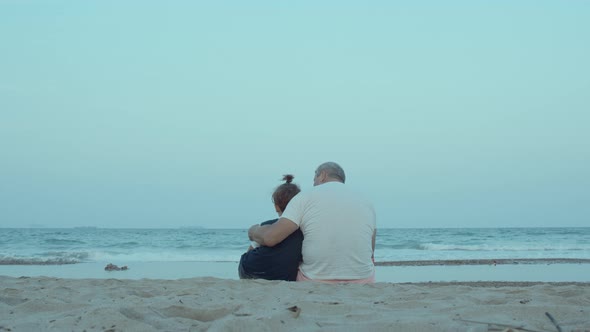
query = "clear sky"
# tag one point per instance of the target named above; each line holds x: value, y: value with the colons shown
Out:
x: 188, y: 113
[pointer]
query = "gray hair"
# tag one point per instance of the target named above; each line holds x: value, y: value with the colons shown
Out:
x: 333, y: 170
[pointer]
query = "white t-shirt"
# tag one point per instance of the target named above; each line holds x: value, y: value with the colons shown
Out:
x: 337, y: 226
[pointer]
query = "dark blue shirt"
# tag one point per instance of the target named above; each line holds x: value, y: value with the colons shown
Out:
x: 280, y: 262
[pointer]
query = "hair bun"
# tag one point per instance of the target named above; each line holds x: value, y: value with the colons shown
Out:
x: 288, y: 178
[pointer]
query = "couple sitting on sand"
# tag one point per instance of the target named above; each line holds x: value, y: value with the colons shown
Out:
x: 326, y: 234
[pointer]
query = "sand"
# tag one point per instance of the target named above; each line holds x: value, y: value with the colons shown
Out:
x: 212, y: 304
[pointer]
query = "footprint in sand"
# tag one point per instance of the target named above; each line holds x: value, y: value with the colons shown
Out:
x: 202, y: 315
x: 12, y: 300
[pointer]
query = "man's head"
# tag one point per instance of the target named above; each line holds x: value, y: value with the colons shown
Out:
x: 328, y: 172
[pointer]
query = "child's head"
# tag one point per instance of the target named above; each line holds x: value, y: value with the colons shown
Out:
x: 284, y: 193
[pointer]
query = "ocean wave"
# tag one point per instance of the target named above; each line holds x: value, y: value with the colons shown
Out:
x: 127, y: 245
x: 489, y: 261
x: 38, y: 261
x: 399, y: 245
x: 44, y: 258
x: 77, y: 255
x: 487, y: 247
x: 63, y: 242
x: 434, y: 246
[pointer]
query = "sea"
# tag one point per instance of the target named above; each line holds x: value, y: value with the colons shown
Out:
x: 401, y: 255
x: 49, y: 246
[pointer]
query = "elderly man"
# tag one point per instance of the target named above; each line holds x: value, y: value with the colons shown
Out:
x: 338, y: 227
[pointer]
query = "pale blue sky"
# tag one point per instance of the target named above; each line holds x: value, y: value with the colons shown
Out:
x: 187, y: 113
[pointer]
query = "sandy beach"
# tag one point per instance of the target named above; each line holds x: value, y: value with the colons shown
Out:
x: 214, y: 304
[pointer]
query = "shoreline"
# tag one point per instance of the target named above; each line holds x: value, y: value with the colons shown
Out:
x: 440, y: 262
x: 213, y: 304
x: 556, y: 272
x: 499, y: 261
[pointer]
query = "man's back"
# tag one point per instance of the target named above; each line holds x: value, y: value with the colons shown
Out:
x: 338, y: 227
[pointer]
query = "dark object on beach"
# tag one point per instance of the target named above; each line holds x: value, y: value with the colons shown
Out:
x: 295, y: 310
x: 489, y: 324
x: 553, y: 321
x: 113, y: 267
